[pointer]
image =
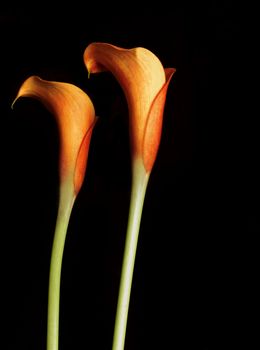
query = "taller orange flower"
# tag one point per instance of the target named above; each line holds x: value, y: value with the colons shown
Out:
x: 75, y: 116
x: 145, y: 83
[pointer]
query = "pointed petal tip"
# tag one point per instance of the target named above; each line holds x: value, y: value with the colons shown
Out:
x: 89, y: 58
x: 26, y: 84
x: 169, y: 73
x: 13, y: 103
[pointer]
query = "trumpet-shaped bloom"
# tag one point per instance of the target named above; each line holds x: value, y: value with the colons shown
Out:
x: 75, y: 116
x: 144, y: 82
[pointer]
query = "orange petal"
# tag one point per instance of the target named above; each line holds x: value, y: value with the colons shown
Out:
x: 153, y: 128
x: 82, y: 158
x: 141, y: 75
x: 75, y: 116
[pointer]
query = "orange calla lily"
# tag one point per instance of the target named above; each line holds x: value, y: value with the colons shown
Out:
x: 145, y: 83
x: 75, y: 116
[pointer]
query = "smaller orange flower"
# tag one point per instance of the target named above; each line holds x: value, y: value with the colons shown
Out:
x: 75, y: 116
x: 144, y: 82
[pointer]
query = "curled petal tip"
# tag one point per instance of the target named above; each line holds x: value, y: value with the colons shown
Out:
x: 169, y: 73
x: 13, y: 103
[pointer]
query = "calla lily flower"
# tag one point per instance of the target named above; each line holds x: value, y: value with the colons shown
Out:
x: 75, y: 116
x: 145, y: 83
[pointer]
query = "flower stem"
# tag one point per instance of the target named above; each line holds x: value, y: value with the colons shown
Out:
x: 139, y: 184
x: 66, y: 201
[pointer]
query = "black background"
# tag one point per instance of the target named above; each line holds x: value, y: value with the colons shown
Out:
x: 194, y: 279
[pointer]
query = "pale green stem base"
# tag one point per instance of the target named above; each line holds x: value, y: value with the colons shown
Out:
x: 139, y: 184
x: 66, y: 202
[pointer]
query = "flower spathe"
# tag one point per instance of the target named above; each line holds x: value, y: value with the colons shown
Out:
x: 75, y: 116
x: 145, y: 83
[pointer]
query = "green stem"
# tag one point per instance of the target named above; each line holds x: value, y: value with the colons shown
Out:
x: 139, y: 184
x: 66, y: 201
